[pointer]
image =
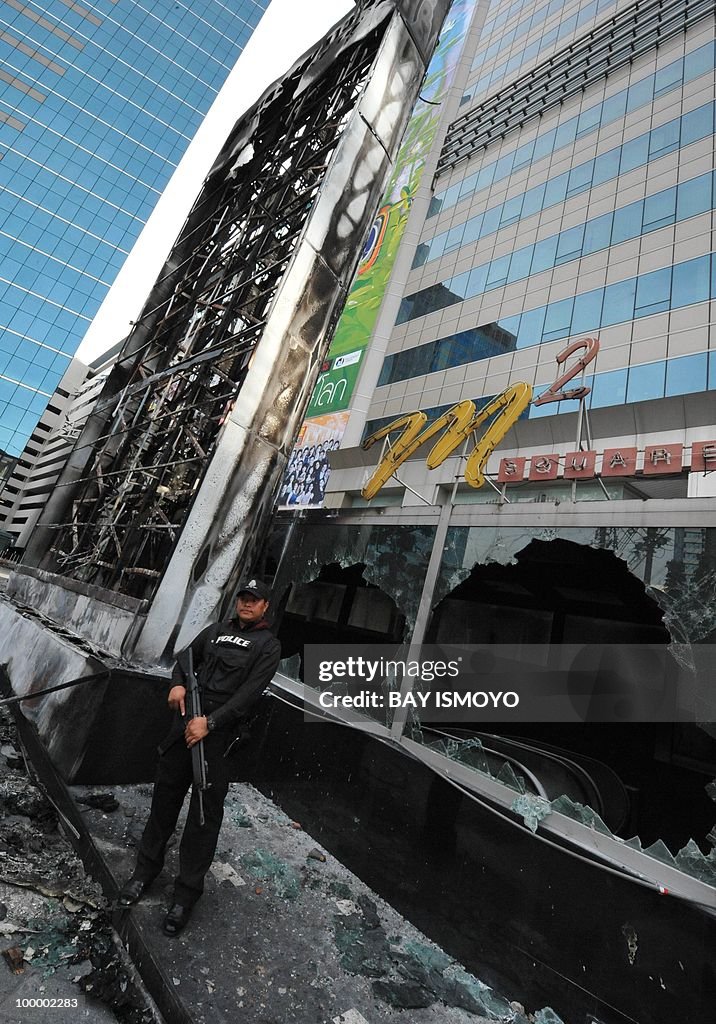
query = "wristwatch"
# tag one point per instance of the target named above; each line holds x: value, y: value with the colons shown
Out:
x: 210, y: 723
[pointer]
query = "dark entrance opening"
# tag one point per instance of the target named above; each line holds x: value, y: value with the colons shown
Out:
x: 339, y: 607
x: 562, y: 592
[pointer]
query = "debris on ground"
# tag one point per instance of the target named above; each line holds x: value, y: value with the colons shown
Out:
x: 301, y: 940
x: 54, y: 918
x: 269, y: 870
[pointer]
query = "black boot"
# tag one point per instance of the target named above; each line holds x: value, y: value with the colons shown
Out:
x: 176, y: 919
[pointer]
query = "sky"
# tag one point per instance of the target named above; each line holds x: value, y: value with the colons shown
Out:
x: 287, y: 29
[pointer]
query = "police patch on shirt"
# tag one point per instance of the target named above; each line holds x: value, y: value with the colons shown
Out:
x: 229, y: 638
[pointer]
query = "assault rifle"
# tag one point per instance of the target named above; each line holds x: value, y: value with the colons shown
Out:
x: 198, y: 762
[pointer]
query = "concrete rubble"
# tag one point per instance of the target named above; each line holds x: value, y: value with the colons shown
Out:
x: 59, y: 957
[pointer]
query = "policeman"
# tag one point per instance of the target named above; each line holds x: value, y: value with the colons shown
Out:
x: 234, y: 662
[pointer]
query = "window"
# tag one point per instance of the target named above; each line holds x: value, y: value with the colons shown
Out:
x: 438, y: 245
x: 523, y: 155
x: 569, y: 245
x: 497, y: 273
x: 521, y: 263
x: 544, y: 144
x: 606, y: 166
x: 587, y: 314
x: 698, y: 62
x: 544, y: 254
x: 640, y: 93
x: 477, y: 280
x: 597, y: 234
x: 646, y: 381
x: 531, y: 324
x: 627, y: 222
x: 451, y: 195
x: 697, y: 124
x: 421, y: 255
x: 634, y: 154
x: 556, y: 189
x: 566, y: 132
x: 659, y: 210
x: 468, y: 184
x: 668, y: 77
x: 608, y: 389
x: 534, y: 200
x: 691, y: 282
x: 511, y: 210
x: 580, y: 178
x: 664, y: 139
x: 491, y: 220
x: 687, y: 374
x: 485, y: 177
x: 473, y: 230
x: 436, y: 205
x: 614, y: 107
x: 588, y: 120
x: 619, y: 302
x: 453, y: 238
x: 504, y: 165
x: 653, y: 292
x: 694, y: 197
x: 558, y: 319
x: 440, y: 355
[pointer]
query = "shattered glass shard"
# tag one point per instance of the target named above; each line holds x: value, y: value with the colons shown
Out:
x: 469, y: 993
x: 693, y: 862
x: 432, y: 959
x: 507, y: 777
x: 532, y: 808
x: 471, y: 753
x: 547, y: 1016
x: 585, y: 815
x: 291, y: 667
x: 659, y: 851
x: 269, y: 869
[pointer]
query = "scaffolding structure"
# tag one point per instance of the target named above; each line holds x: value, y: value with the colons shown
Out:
x: 203, y: 321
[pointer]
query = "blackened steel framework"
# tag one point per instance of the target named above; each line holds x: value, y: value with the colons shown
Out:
x: 170, y: 486
x: 186, y: 361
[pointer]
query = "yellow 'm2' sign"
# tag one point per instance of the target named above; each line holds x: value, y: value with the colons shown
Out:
x: 457, y: 423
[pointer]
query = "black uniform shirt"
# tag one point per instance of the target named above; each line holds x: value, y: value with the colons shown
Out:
x: 233, y: 664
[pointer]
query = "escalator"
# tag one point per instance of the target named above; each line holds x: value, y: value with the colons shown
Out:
x: 550, y: 772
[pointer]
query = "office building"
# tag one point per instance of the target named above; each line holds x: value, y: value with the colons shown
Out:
x: 572, y: 197
x: 542, y: 296
x: 28, y: 485
x: 98, y: 104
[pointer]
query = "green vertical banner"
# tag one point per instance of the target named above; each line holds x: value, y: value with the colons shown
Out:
x: 327, y: 416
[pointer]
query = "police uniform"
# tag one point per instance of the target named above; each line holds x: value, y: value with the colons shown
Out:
x: 233, y: 665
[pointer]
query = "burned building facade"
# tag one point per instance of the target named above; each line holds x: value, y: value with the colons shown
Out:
x: 509, y: 443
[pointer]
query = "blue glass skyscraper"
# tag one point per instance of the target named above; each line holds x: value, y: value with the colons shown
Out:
x: 98, y: 102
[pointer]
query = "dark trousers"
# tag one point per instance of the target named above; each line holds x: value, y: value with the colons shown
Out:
x: 198, y: 842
